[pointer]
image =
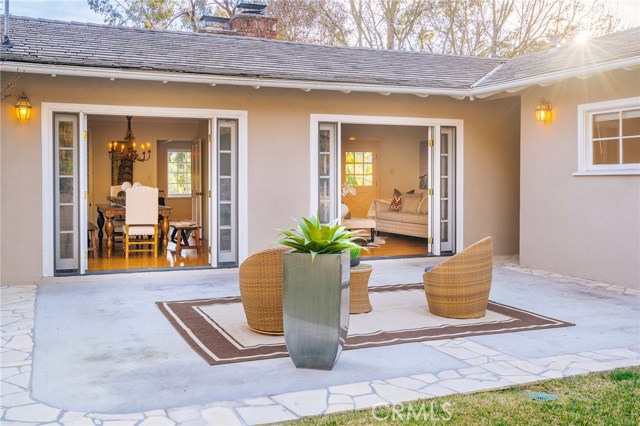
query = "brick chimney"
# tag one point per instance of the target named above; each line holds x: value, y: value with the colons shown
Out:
x: 252, y: 25
x: 250, y: 20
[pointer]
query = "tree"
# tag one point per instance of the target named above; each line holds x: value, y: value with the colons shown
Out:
x: 503, y: 28
x: 494, y: 28
x: 161, y: 14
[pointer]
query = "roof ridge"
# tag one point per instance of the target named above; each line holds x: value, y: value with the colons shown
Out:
x: 487, y: 75
x: 257, y: 40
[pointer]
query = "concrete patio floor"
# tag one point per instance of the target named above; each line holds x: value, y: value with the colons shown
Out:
x: 95, y: 350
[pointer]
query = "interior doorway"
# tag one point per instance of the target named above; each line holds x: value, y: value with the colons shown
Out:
x: 376, y: 161
x: 380, y: 157
x: 175, y: 164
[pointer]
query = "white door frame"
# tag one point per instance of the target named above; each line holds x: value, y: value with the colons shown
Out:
x: 316, y: 119
x: 83, y: 110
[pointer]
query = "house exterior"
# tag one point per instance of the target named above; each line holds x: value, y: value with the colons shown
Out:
x: 267, y: 114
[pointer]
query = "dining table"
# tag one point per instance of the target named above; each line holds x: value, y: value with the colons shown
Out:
x: 106, y: 213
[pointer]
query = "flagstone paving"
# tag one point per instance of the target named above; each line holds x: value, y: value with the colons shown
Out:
x: 480, y: 367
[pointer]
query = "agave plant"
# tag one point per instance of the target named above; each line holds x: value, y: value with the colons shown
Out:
x: 314, y: 238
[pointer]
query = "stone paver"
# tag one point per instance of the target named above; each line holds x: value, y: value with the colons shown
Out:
x: 305, y: 403
x: 265, y: 414
x: 220, y: 416
x: 484, y: 368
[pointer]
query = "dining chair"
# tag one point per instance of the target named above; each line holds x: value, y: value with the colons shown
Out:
x: 118, y: 221
x: 141, y: 219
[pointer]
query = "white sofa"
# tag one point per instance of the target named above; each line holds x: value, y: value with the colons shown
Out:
x: 412, y: 222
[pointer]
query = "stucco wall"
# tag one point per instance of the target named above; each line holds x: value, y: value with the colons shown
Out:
x: 586, y: 226
x: 279, y: 154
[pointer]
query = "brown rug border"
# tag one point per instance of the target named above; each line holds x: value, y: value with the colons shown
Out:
x: 227, y: 353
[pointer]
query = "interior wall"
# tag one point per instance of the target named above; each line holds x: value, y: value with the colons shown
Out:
x: 399, y: 154
x: 585, y: 226
x: 278, y: 153
x: 148, y: 173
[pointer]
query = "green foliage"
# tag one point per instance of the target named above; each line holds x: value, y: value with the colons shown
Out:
x: 619, y: 375
x: 608, y: 398
x: 312, y: 237
x: 355, y: 252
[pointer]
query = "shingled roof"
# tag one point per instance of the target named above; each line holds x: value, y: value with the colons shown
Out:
x: 93, y: 45
x: 151, y: 54
x: 611, y: 48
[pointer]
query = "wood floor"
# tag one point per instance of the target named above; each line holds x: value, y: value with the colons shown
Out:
x: 117, y: 262
x: 394, y: 245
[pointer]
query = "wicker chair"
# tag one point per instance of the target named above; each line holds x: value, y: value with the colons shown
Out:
x: 261, y: 291
x: 459, y: 287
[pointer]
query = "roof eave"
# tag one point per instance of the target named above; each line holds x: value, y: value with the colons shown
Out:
x: 255, y: 82
x: 554, y: 77
x: 100, y: 72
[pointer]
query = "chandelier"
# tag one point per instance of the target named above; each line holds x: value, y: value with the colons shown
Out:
x: 126, y: 150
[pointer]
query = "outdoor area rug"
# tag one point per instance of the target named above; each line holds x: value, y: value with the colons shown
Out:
x: 217, y: 329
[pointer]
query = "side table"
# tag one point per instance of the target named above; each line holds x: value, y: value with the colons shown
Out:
x: 359, y: 289
x: 361, y: 223
x: 185, y: 229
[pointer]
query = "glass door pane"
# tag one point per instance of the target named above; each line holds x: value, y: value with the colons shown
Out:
x: 327, y: 209
x: 227, y: 181
x: 426, y: 180
x: 66, y: 197
x: 447, y: 189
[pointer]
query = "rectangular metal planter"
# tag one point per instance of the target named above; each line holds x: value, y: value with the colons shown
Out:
x: 316, y: 308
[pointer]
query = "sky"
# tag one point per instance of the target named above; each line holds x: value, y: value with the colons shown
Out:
x: 78, y: 10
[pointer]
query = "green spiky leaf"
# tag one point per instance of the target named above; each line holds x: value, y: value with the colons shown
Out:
x: 314, y: 238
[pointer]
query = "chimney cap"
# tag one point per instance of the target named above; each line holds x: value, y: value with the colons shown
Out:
x: 249, y: 7
x: 214, y: 19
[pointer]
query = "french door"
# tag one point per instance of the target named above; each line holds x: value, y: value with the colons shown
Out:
x: 69, y: 161
x: 437, y: 173
x: 447, y: 189
x: 328, y: 160
x: 196, y: 182
x: 226, y: 190
x: 360, y: 170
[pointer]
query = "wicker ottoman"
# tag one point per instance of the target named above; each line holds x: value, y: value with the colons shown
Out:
x: 359, y: 289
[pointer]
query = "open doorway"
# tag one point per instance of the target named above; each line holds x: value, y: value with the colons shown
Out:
x: 77, y: 172
x: 377, y: 161
x: 176, y: 166
x: 396, y: 176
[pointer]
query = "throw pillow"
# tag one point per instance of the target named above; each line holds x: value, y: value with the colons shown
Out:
x: 396, y: 202
x: 424, y: 205
x: 410, y: 203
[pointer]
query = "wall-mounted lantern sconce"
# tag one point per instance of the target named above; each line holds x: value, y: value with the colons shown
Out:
x: 543, y: 111
x: 23, y: 108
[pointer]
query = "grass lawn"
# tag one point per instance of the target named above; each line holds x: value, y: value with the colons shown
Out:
x: 609, y: 398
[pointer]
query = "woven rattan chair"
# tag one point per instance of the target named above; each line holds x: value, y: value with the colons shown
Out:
x: 261, y: 290
x: 459, y: 287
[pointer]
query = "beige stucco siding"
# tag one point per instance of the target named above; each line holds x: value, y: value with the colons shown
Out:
x: 278, y: 154
x: 586, y: 226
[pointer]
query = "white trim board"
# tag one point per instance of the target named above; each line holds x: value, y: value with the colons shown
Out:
x: 474, y: 91
x: 48, y: 110
x: 585, y: 154
x: 316, y: 119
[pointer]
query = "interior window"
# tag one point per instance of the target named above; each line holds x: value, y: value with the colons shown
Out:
x: 616, y: 137
x: 359, y: 168
x: 179, y: 172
